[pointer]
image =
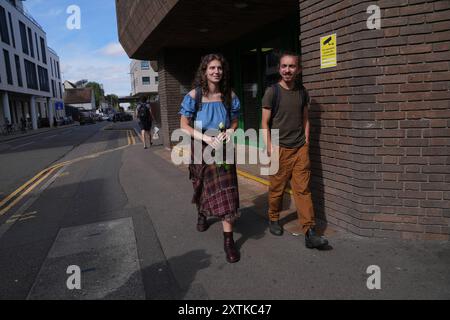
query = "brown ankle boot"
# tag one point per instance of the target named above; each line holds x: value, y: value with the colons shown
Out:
x: 202, y: 223
x: 231, y: 252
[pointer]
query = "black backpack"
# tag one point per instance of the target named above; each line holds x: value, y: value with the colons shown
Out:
x: 198, y: 106
x: 143, y: 113
x: 277, y: 97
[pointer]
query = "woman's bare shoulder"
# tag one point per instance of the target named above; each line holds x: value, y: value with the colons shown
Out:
x: 192, y: 94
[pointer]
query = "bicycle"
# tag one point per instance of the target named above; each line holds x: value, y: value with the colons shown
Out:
x: 7, y: 129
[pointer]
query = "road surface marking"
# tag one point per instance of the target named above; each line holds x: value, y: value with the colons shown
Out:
x: 55, y: 135
x: 6, y: 209
x: 21, y: 218
x: 260, y: 180
x: 50, y: 170
x: 26, y: 184
x: 109, y: 262
x: 22, y: 145
x: 21, y: 211
x: 133, y: 140
x: 65, y: 174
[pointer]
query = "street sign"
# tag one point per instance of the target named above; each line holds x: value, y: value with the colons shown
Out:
x: 328, y: 51
x: 59, y: 105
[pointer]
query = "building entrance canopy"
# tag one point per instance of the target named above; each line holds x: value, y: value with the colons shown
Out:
x: 145, y: 29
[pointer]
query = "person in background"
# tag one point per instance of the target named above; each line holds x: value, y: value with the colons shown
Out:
x: 145, y: 117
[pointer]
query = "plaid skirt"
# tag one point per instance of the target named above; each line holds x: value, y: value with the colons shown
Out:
x: 216, y: 191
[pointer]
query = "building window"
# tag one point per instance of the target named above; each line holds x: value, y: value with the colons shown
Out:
x: 156, y: 80
x: 3, y: 26
x: 30, y: 39
x: 57, y: 69
x: 23, y: 37
x: 145, y: 65
x: 43, y: 79
x: 19, y: 71
x: 51, y: 66
x: 146, y: 81
x: 8, y: 67
x: 12, y: 30
x: 37, y: 46
x: 60, y: 90
x: 53, y: 89
x: 30, y: 72
x: 44, y: 51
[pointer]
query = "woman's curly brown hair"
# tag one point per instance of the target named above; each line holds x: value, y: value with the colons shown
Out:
x: 202, y: 81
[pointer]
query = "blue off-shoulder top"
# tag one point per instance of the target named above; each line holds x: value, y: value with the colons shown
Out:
x: 211, y: 114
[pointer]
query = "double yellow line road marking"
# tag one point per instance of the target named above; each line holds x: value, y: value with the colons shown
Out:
x: 131, y: 139
x: 10, y: 201
x: 28, y: 187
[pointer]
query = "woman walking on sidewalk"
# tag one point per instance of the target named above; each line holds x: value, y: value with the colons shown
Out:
x: 213, y: 106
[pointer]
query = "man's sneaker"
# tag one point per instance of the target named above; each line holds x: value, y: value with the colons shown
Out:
x: 312, y: 240
x: 275, y: 228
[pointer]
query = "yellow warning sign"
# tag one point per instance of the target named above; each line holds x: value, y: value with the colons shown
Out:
x: 328, y: 51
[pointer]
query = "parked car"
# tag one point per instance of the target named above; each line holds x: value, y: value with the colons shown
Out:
x: 86, y: 117
x: 122, y: 116
x: 67, y: 120
x: 127, y: 117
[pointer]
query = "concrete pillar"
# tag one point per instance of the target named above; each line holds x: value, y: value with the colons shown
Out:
x: 6, y: 108
x: 33, y: 112
x: 51, y: 112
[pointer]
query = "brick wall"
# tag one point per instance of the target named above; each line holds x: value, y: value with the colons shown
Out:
x: 176, y: 73
x: 137, y: 19
x: 381, y: 128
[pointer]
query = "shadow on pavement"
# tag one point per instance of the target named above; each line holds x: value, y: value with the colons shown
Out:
x: 160, y: 283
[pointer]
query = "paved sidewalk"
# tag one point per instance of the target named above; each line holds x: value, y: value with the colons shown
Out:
x: 253, y: 192
x: 279, y: 267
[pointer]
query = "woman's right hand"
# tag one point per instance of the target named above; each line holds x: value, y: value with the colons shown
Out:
x: 214, y: 142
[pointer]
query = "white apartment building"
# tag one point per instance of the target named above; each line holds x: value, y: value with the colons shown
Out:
x: 30, y: 80
x: 144, y: 80
x: 56, y: 85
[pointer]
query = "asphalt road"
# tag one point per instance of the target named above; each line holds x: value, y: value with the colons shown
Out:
x: 122, y: 215
x: 22, y: 158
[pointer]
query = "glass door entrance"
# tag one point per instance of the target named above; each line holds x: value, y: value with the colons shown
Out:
x: 254, y: 60
x: 250, y: 98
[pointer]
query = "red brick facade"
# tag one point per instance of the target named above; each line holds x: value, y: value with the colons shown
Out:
x: 176, y: 74
x: 381, y: 128
x: 381, y: 118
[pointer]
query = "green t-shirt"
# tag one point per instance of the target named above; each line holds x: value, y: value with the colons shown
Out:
x: 288, y: 119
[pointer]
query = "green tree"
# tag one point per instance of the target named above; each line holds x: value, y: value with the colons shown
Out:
x: 98, y: 92
x: 113, y: 100
x: 132, y: 106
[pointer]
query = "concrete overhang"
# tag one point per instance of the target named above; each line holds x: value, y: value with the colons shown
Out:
x: 145, y: 27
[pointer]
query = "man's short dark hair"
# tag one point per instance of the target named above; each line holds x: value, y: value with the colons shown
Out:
x: 290, y: 54
x: 144, y: 99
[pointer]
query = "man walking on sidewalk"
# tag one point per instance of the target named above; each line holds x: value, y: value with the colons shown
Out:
x: 145, y: 117
x: 285, y: 107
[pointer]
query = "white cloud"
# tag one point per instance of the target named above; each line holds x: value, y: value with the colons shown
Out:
x: 112, y: 74
x: 113, y: 49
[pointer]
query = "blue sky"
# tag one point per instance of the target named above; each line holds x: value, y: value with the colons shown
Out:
x: 93, y: 52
